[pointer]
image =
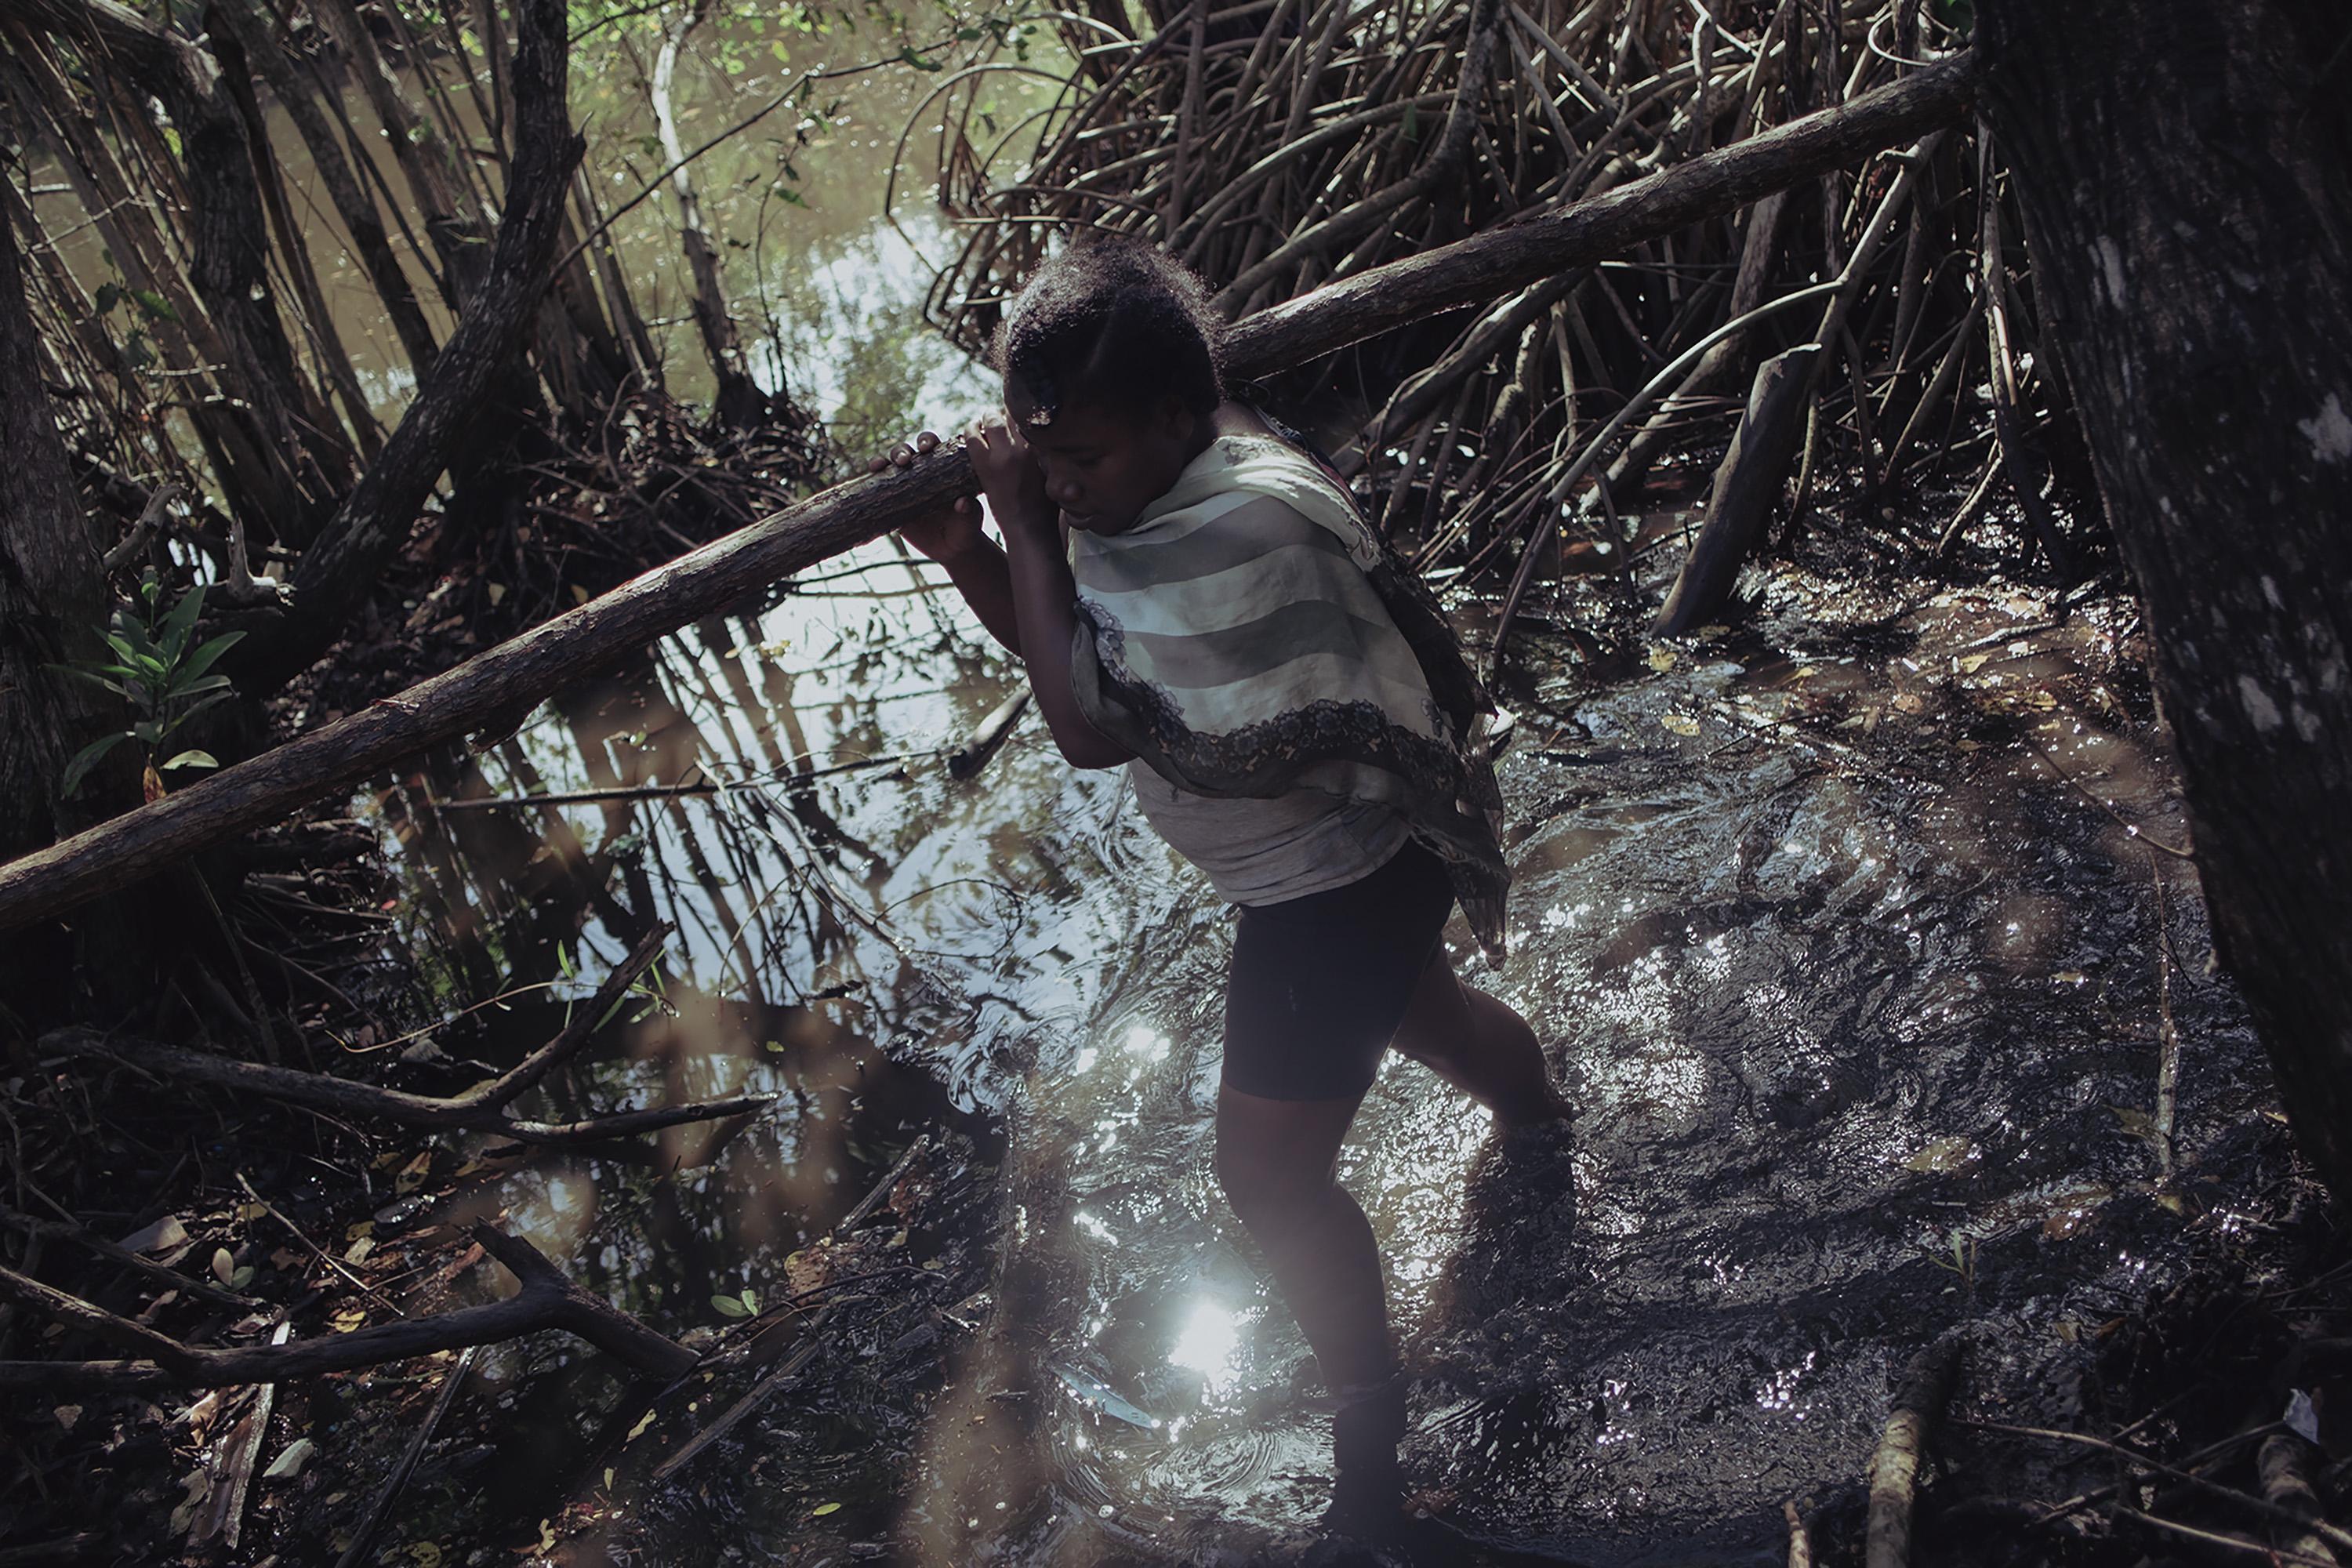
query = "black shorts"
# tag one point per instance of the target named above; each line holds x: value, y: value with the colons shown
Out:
x: 1319, y: 983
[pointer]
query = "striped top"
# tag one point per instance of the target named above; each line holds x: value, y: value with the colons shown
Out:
x: 1284, y: 728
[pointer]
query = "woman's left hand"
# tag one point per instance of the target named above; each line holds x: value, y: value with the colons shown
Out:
x: 1010, y: 475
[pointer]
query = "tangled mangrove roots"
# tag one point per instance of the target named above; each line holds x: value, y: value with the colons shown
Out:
x: 591, y: 507
x: 1282, y: 144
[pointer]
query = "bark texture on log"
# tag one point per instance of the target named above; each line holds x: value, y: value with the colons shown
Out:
x: 2186, y: 177
x: 577, y: 644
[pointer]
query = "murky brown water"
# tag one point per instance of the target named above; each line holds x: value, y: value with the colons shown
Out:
x: 1860, y: 1003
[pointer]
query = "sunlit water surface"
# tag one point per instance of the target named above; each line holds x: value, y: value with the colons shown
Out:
x: 1858, y: 1001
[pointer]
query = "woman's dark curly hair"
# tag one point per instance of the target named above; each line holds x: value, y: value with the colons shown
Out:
x: 1111, y: 321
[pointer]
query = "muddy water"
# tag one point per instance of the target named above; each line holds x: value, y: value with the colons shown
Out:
x: 1861, y: 1003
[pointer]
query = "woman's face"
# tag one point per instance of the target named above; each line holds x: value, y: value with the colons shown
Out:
x: 1102, y: 466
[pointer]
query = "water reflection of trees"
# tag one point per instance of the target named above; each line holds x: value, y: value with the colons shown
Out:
x: 740, y: 782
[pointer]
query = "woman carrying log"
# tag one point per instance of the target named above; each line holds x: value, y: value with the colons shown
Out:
x: 1197, y: 598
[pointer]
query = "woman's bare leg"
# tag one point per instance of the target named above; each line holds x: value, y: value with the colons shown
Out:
x: 1278, y: 1161
x: 1480, y: 1045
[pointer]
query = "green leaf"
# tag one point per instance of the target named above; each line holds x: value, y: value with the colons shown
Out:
x: 87, y: 759
x: 750, y: 1300
x: 149, y: 729
x: 93, y: 675
x: 191, y: 759
x: 730, y: 1306
x: 192, y: 708
x: 158, y: 309
x: 182, y: 622
x: 108, y: 296
x: 183, y: 687
x: 208, y: 652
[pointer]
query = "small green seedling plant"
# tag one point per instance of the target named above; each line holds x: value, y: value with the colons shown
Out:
x: 164, y: 674
x: 744, y: 1303
x: 1962, y: 1262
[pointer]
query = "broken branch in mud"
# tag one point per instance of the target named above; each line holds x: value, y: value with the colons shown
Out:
x: 1747, y: 487
x: 1800, y: 1540
x: 364, y: 1537
x: 562, y: 652
x: 2297, y: 1528
x: 547, y: 1299
x: 2279, y: 1468
x: 1895, y: 1469
x: 482, y: 1109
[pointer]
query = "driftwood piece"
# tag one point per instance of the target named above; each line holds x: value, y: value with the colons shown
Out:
x: 1800, y: 1539
x: 1747, y: 487
x: 1895, y: 1469
x: 548, y: 1300
x: 345, y: 1097
x: 2284, y: 1463
x: 234, y: 1457
x: 574, y: 645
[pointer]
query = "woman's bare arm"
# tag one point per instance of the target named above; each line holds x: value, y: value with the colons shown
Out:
x: 1044, y: 595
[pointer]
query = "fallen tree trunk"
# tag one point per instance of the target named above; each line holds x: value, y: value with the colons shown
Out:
x: 576, y: 644
x: 548, y: 1300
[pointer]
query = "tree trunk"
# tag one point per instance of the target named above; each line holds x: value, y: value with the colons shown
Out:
x: 337, y: 573
x: 2185, y: 171
x: 227, y: 241
x: 52, y: 608
x: 740, y: 402
x: 246, y: 22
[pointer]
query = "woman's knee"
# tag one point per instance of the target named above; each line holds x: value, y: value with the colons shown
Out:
x: 1262, y: 1182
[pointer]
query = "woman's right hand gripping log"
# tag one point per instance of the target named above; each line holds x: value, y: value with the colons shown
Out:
x: 1023, y: 595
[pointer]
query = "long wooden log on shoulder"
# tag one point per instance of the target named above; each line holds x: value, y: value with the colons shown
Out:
x: 555, y: 656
